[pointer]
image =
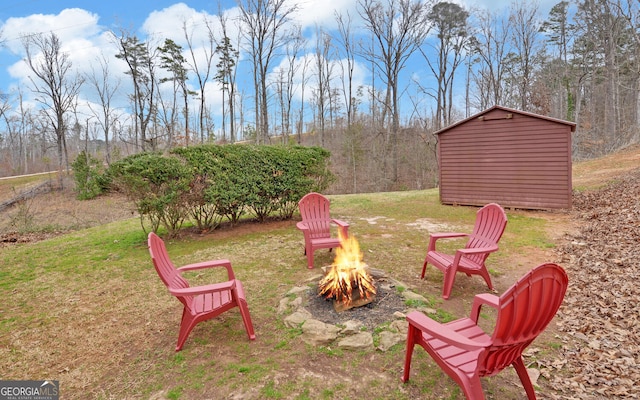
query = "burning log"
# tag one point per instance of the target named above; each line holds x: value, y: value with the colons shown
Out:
x: 348, y: 281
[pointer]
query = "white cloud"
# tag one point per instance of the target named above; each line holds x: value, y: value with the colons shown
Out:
x: 86, y: 41
x: 68, y: 25
x: 322, y: 12
x: 78, y: 31
x: 171, y: 21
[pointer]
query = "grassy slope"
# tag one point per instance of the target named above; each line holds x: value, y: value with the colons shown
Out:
x: 88, y: 309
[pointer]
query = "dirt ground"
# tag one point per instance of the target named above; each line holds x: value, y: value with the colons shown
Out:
x: 598, y: 239
x: 57, y: 212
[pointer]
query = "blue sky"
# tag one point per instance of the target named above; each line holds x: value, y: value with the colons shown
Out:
x: 110, y: 12
x: 83, y: 27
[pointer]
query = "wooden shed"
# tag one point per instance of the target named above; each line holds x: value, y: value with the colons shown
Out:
x: 510, y: 157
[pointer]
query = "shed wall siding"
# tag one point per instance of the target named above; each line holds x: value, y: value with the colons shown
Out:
x: 521, y: 162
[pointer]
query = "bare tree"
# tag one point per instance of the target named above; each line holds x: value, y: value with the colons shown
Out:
x: 25, y: 117
x: 265, y: 31
x: 11, y: 143
x: 167, y: 116
x: 227, y: 70
x: 630, y: 11
x: 602, y: 30
x: 491, y: 51
x: 525, y: 39
x: 293, y: 50
x: 105, y: 89
x: 348, y: 63
x: 202, y: 67
x: 399, y: 28
x: 453, y: 38
x: 172, y: 60
x: 323, y: 74
x: 5, y: 105
x: 55, y: 87
x: 140, y: 60
x: 353, y: 141
x: 303, y: 83
x: 559, y: 32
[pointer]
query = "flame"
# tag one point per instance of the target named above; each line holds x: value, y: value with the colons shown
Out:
x: 347, y: 273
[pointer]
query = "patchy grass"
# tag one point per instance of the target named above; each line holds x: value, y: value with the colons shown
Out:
x: 20, y: 183
x: 88, y: 309
x: 596, y: 173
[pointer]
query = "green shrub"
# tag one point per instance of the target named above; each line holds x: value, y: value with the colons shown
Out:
x: 89, y: 176
x: 220, y: 174
x: 208, y: 183
x: 263, y: 180
x: 158, y: 186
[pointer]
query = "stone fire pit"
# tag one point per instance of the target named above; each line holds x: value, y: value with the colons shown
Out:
x: 352, y: 329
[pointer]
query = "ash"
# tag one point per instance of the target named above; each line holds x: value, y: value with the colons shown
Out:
x: 371, y: 315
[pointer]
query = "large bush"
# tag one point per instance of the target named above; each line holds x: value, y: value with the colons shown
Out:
x: 209, y: 183
x: 158, y: 185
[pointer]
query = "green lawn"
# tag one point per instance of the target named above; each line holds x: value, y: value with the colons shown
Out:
x: 88, y: 309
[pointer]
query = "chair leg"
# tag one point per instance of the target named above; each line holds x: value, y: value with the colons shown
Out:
x: 472, y: 388
x: 310, y: 259
x: 518, y: 364
x: 246, y: 319
x: 447, y: 284
x: 487, y: 278
x: 411, y: 341
x: 424, y: 268
x: 186, y: 326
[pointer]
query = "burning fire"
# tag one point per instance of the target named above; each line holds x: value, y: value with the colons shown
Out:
x: 348, y: 278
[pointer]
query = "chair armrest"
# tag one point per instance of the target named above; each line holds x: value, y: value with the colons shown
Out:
x: 343, y: 227
x: 340, y: 223
x: 442, y: 332
x: 479, y: 250
x: 215, y: 287
x: 468, y: 252
x: 443, y: 235
x: 210, y: 264
x: 302, y: 225
x: 483, y: 299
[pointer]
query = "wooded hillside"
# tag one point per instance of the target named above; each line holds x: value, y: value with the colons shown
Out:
x: 371, y: 88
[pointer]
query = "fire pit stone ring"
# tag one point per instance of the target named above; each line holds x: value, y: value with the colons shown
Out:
x: 353, y: 328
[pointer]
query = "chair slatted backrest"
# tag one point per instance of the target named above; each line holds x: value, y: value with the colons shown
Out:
x: 491, y: 221
x: 525, y: 311
x: 166, y: 269
x: 314, y: 210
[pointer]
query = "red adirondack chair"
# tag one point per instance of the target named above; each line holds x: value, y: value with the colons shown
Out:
x: 466, y: 353
x: 201, y: 303
x: 316, y: 225
x: 490, y: 223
